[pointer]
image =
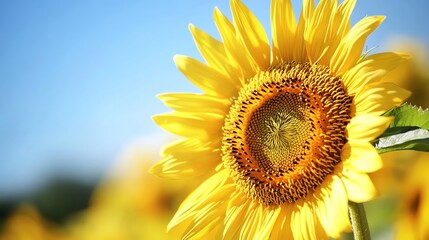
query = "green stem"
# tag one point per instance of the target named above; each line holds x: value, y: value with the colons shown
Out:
x: 359, y: 222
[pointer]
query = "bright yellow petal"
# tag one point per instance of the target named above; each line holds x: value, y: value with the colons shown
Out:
x: 317, y: 31
x: 332, y: 207
x: 298, y: 220
x: 238, y: 56
x: 196, y: 125
x: 214, y: 53
x: 338, y: 28
x: 187, y: 145
x: 263, y: 224
x: 191, y: 102
x: 341, y: 25
x: 185, y: 159
x: 282, y: 227
x: 250, y: 221
x: 216, y: 189
x: 251, y: 32
x: 180, y: 168
x: 378, y: 98
x: 205, y: 220
x: 350, y: 48
x: 371, y: 69
x: 269, y: 218
x: 300, y: 53
x: 216, y: 233
x: 367, y: 127
x: 358, y: 185
x: 235, y: 213
x: 319, y: 230
x: 283, y: 28
x: 304, y: 221
x: 361, y: 156
x: 206, y: 78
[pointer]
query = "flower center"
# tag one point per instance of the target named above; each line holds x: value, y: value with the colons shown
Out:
x: 285, y: 131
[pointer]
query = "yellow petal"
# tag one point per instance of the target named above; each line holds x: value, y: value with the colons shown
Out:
x: 341, y: 24
x: 180, y: 168
x: 378, y: 98
x: 195, y: 125
x: 251, y: 32
x: 191, y: 102
x: 206, y: 78
x: 187, y: 145
x: 262, y: 224
x: 215, y: 189
x: 205, y: 220
x: 361, y: 156
x: 371, y: 69
x: 214, y: 53
x: 317, y: 31
x: 338, y: 28
x: 185, y: 159
x: 250, y: 221
x: 358, y: 185
x: 283, y: 28
x: 235, y: 213
x: 367, y: 127
x: 350, y: 48
x: 216, y: 232
x: 333, y: 207
x: 235, y: 50
x: 304, y: 221
x: 282, y: 227
x: 300, y: 53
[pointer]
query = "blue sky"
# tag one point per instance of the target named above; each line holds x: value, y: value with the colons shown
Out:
x: 78, y: 79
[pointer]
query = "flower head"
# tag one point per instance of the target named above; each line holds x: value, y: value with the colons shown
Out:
x: 284, y: 129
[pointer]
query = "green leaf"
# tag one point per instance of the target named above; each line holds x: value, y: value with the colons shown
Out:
x: 408, y: 131
x: 409, y: 116
x: 397, y: 130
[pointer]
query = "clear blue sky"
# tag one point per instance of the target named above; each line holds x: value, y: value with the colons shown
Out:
x: 78, y: 79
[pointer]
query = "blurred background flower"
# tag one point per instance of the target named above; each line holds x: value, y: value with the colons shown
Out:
x: 412, y: 220
x: 399, y: 212
x: 27, y: 224
x: 78, y: 82
x: 129, y: 203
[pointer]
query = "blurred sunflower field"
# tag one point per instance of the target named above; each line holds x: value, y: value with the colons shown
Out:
x: 128, y: 203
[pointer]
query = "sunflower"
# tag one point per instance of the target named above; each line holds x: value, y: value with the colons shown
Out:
x: 283, y: 130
